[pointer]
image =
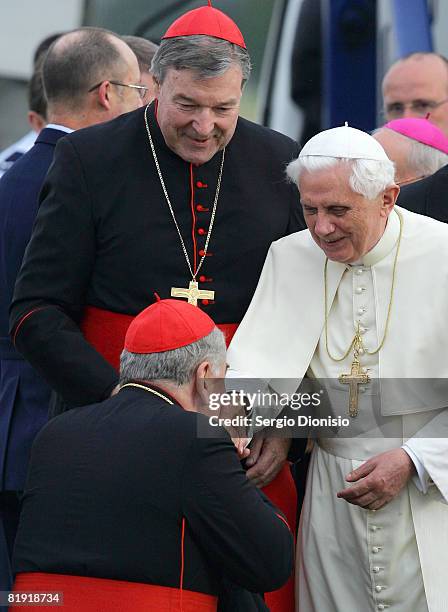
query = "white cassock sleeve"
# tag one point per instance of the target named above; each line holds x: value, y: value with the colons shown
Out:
x: 421, y: 479
x: 274, y: 342
x: 432, y: 452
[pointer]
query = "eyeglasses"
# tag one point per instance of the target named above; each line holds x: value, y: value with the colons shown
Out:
x: 413, y: 179
x: 141, y: 89
x: 418, y: 107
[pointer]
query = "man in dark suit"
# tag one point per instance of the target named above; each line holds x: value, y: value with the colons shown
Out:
x: 150, y: 508
x: 68, y: 72
x: 428, y: 196
x: 37, y: 109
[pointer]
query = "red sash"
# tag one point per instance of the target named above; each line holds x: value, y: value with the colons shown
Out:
x: 106, y: 331
x: 82, y: 594
x: 283, y: 493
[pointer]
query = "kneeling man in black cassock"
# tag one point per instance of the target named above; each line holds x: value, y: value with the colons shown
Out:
x: 127, y: 508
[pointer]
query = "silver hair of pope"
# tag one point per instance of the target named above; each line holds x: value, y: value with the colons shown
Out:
x: 368, y: 177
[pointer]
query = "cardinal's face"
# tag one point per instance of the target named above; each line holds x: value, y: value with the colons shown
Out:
x: 198, y: 117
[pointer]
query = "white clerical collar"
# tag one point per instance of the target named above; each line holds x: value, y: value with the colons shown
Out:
x: 61, y: 128
x: 386, y: 243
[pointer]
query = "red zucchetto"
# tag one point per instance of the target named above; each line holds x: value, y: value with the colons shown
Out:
x: 165, y: 326
x: 206, y: 21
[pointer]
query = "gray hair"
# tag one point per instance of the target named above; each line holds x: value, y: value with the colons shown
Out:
x: 37, y: 101
x: 177, y: 366
x: 205, y: 55
x: 369, y: 177
x: 143, y: 48
x: 421, y: 158
x: 424, y: 159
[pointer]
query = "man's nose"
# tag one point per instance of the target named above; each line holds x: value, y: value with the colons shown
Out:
x: 408, y: 111
x: 323, y: 226
x: 203, y: 122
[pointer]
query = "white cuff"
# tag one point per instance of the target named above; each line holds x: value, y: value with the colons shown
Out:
x: 421, y: 479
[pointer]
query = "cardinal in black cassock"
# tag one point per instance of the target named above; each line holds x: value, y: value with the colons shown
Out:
x: 142, y: 513
x: 179, y: 192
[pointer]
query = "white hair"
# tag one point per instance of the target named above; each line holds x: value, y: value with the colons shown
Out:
x: 425, y: 160
x: 421, y: 159
x: 368, y: 177
x: 177, y: 366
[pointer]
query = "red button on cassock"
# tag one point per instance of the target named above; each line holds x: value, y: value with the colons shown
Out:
x: 202, y: 279
x: 201, y: 231
x: 205, y: 302
x: 201, y: 185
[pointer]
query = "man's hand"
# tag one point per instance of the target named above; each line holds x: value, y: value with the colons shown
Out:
x: 379, y: 479
x: 266, y: 459
x: 241, y: 447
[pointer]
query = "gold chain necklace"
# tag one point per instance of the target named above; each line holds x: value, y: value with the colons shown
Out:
x: 358, y: 376
x: 193, y: 293
x: 357, y: 339
x: 148, y: 389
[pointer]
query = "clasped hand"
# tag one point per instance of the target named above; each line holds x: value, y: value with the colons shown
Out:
x: 267, y: 457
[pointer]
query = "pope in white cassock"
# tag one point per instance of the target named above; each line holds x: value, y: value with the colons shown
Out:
x: 362, y: 293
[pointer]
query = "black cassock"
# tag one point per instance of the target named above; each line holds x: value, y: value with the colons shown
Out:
x: 427, y: 196
x: 133, y: 468
x: 104, y: 238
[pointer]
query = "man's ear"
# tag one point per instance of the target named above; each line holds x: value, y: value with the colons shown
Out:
x: 36, y: 121
x: 390, y: 196
x: 203, y: 373
x: 103, y: 95
x: 156, y: 89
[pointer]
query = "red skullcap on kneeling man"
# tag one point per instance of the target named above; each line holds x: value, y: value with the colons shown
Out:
x: 167, y: 325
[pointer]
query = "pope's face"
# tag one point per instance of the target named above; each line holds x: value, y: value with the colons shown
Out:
x: 197, y: 117
x: 344, y: 224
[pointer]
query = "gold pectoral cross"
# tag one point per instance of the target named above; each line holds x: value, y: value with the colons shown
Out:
x: 193, y: 293
x: 356, y: 377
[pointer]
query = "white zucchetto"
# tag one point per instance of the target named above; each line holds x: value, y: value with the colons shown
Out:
x: 345, y: 142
